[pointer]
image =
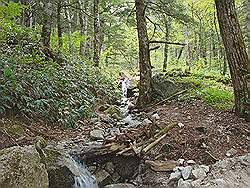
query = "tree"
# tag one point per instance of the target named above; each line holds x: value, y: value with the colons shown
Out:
x: 97, y: 37
x: 145, y: 89
x: 236, y: 54
x: 47, y: 24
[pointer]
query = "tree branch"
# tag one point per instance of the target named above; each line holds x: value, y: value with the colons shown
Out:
x: 154, y: 48
x: 166, y: 42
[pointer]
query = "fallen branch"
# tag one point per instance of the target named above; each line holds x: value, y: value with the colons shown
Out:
x: 172, y: 96
x: 150, y: 146
x: 165, y: 129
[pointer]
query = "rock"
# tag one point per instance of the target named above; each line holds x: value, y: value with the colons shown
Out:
x: 196, y: 183
x: 115, y: 177
x: 183, y: 184
x: 130, y: 105
x: 181, y: 161
x: 198, y: 172
x: 190, y: 162
x: 120, y: 185
x: 201, y: 129
x: 155, y: 116
x: 97, y: 134
x: 231, y: 152
x: 163, y: 86
x: 22, y: 167
x: 205, y: 168
x: 64, y: 171
x: 175, y: 175
x: 186, y: 172
x: 101, y: 175
x: 113, y: 131
x: 161, y: 166
x: 135, y: 123
x: 109, y: 167
x: 128, y: 119
x: 220, y: 183
x: 146, y: 121
x: 245, y: 160
x: 180, y: 125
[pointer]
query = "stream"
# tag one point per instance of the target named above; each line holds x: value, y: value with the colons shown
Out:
x: 85, y: 178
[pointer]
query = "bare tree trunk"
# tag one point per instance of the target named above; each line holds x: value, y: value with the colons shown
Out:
x: 97, y: 37
x: 59, y: 24
x: 167, y: 27
x: 69, y: 32
x: 84, y: 25
x: 26, y: 13
x: 236, y: 54
x: 47, y: 24
x: 145, y: 89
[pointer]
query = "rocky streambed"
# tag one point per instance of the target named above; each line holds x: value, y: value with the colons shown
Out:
x: 118, y: 155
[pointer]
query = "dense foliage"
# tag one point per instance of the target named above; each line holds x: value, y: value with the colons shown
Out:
x: 36, y: 87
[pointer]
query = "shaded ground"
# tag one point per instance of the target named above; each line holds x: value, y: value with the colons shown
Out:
x: 206, y: 136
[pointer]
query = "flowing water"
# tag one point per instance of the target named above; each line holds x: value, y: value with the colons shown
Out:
x: 84, y: 178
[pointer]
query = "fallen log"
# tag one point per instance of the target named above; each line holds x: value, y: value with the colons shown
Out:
x: 172, y: 96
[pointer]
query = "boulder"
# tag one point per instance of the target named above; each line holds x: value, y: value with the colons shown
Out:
x: 97, y: 134
x: 22, y: 167
x: 186, y: 172
x: 162, y: 86
x: 198, y: 172
x: 64, y: 171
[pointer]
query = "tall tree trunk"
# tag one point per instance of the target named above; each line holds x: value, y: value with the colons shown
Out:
x: 167, y: 27
x: 236, y: 54
x: 59, y: 24
x: 97, y: 37
x: 47, y: 24
x: 145, y: 87
x: 26, y: 13
x: 69, y: 29
x: 84, y: 25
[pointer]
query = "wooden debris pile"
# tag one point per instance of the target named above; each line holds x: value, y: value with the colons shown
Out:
x: 137, y: 141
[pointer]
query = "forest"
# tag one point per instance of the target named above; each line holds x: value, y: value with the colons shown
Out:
x: 124, y: 93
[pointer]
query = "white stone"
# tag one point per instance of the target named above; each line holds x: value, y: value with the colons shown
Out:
x: 231, y: 152
x: 146, y: 121
x: 181, y: 161
x: 183, y: 184
x: 205, y: 168
x: 97, y: 134
x: 190, y: 162
x: 180, y: 125
x: 198, y: 172
x: 196, y: 183
x: 220, y: 182
x: 155, y: 116
x: 186, y: 172
x: 175, y: 175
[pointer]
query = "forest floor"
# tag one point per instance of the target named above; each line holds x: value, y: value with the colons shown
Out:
x: 205, y: 133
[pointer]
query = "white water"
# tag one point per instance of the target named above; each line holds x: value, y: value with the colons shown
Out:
x: 128, y: 119
x: 84, y: 178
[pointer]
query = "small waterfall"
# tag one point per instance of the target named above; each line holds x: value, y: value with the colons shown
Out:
x: 83, y: 178
x: 128, y: 119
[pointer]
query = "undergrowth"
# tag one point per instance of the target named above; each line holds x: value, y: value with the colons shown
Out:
x: 214, y: 90
x: 38, y: 88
